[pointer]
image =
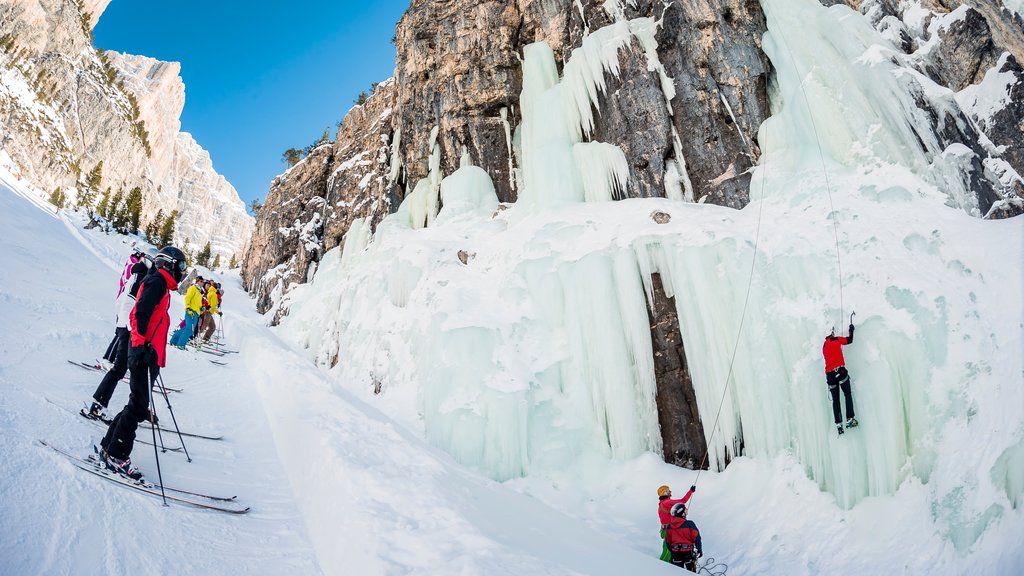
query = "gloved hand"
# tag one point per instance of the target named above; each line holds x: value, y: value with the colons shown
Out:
x: 851, y: 328
x: 693, y: 488
x: 219, y: 313
x: 700, y: 553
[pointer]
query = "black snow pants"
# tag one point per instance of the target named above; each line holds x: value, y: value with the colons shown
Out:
x: 120, y: 359
x: 120, y: 437
x: 111, y: 353
x: 837, y: 379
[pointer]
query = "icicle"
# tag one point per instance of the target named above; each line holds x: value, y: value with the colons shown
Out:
x: 604, y: 170
x: 434, y: 176
x: 508, y: 146
x: 396, y: 160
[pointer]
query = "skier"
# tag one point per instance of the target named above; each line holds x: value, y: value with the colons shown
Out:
x: 683, y: 539
x: 665, y: 504
x: 124, y: 303
x: 193, y: 302
x: 149, y: 323
x: 212, y: 300
x: 131, y: 267
x: 836, y: 376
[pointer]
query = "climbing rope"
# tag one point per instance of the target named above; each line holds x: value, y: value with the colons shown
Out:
x: 828, y: 182
x: 757, y: 237
x: 743, y: 314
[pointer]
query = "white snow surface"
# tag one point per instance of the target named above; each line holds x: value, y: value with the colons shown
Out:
x: 335, y: 486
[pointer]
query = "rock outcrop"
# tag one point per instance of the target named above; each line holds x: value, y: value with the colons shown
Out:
x: 66, y: 107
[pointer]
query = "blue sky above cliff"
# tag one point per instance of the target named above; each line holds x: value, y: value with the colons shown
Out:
x: 259, y: 79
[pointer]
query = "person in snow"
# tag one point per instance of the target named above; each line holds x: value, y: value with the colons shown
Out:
x: 193, y: 306
x: 124, y: 303
x: 135, y: 260
x: 683, y: 539
x: 665, y: 504
x: 149, y: 322
x: 212, y: 300
x: 837, y: 378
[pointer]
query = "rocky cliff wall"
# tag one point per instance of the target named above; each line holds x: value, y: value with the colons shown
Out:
x: 65, y: 107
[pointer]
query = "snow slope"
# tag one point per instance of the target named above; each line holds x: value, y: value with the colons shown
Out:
x: 335, y: 487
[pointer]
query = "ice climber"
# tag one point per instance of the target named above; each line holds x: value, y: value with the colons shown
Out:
x: 124, y: 303
x: 683, y: 539
x: 148, y: 353
x: 665, y: 504
x: 836, y: 376
x: 193, y: 305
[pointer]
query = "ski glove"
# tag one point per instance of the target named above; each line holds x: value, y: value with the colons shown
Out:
x: 693, y: 488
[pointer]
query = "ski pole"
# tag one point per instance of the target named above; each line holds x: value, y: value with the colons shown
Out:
x: 163, y: 390
x: 156, y: 454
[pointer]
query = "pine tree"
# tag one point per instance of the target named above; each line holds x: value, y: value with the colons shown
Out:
x: 104, y: 206
x: 255, y: 207
x: 58, y: 198
x: 203, y: 258
x: 153, y: 228
x: 291, y: 156
x: 233, y: 263
x: 115, y: 210
x: 95, y: 178
x: 166, y: 233
x: 133, y: 211
x: 216, y: 262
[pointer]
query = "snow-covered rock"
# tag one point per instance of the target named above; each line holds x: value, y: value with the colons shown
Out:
x: 66, y: 107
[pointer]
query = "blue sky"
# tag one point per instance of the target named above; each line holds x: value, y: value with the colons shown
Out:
x: 260, y: 77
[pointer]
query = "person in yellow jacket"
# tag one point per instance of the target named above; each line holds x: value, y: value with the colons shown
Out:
x: 212, y: 300
x: 193, y: 303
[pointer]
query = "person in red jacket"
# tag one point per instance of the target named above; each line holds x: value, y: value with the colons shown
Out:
x: 837, y: 377
x: 665, y: 504
x: 683, y: 539
x: 148, y: 353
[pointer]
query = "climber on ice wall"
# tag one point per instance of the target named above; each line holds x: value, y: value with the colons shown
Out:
x: 837, y: 377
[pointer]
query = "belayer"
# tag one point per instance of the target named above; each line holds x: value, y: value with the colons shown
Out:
x: 148, y: 353
x: 837, y: 377
x: 683, y: 539
x: 665, y: 504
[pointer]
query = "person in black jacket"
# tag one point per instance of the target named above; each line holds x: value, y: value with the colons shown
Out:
x: 124, y: 303
x: 148, y: 353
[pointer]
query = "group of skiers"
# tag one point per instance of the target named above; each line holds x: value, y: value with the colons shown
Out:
x: 140, y: 343
x: 681, y: 542
x: 202, y: 302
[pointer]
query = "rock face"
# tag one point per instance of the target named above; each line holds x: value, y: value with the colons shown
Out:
x: 459, y: 71
x: 311, y: 206
x: 68, y: 107
x: 682, y: 433
x: 682, y: 95
x: 973, y: 48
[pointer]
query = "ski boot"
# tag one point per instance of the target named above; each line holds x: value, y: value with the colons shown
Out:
x: 839, y: 428
x: 96, y: 411
x: 122, y: 467
x: 851, y: 423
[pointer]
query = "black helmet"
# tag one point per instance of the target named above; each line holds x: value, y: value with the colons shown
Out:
x: 679, y: 510
x: 173, y: 260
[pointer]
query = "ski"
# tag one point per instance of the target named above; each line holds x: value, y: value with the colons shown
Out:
x: 93, y: 466
x: 105, y: 423
x: 208, y: 351
x: 98, y: 368
x: 219, y: 363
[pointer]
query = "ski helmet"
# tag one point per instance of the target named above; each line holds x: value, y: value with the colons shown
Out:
x: 664, y: 491
x: 679, y: 510
x: 173, y: 260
